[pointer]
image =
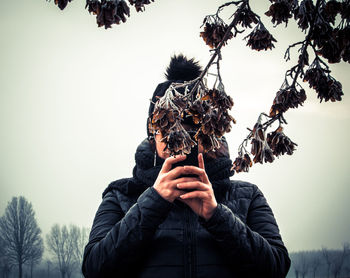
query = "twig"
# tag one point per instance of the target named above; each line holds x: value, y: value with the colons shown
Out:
x: 216, y: 53
x: 306, y: 44
x: 287, y: 53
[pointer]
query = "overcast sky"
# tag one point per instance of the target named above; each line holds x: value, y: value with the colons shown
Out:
x: 74, y: 101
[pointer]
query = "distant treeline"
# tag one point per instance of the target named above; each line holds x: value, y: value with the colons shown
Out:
x: 45, y: 269
x: 22, y: 245
x: 323, y: 263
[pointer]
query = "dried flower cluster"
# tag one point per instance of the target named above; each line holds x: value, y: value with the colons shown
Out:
x: 263, y: 148
x: 304, y: 13
x: 332, y: 44
x: 140, y: 4
x: 280, y: 11
x: 214, y: 31
x: 216, y: 122
x: 330, y: 10
x: 219, y: 99
x: 260, y: 149
x: 260, y: 38
x: 287, y: 98
x: 244, y: 16
x: 326, y: 86
x: 168, y: 110
x: 178, y: 140
x: 208, y: 113
x: 62, y: 3
x: 108, y: 12
x: 242, y: 163
x: 279, y: 143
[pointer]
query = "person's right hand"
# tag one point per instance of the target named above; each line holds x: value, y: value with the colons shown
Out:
x: 167, y: 180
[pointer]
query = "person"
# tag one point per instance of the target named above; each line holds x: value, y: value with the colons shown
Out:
x: 163, y: 222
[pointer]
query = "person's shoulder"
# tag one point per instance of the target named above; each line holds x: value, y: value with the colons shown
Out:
x: 118, y: 184
x: 242, y: 189
x: 125, y: 186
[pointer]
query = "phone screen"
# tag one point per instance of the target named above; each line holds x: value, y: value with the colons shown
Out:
x: 191, y: 159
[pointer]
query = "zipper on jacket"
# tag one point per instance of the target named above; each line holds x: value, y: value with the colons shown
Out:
x: 193, y: 239
x: 189, y: 244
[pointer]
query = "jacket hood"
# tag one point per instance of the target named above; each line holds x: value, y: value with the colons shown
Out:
x: 145, y: 173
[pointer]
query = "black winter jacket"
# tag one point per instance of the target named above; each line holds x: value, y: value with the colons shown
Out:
x: 137, y: 233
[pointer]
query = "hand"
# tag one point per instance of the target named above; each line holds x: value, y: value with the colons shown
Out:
x: 167, y: 179
x: 202, y: 200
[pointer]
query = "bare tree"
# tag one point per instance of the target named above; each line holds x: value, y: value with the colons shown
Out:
x: 35, y: 258
x: 304, y: 264
x: 296, y: 272
x: 347, y: 270
x: 327, y: 257
x: 5, y: 266
x: 338, y: 260
x: 18, y: 227
x: 335, y: 259
x: 48, y: 262
x: 315, y: 263
x: 301, y: 264
x: 82, y: 239
x: 62, y: 243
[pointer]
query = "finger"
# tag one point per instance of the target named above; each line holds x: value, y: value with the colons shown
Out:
x: 197, y: 185
x: 178, y: 193
x: 168, y: 163
x: 186, y: 179
x: 197, y: 171
x: 195, y: 194
x: 173, y: 183
x: 175, y: 173
x: 201, y: 161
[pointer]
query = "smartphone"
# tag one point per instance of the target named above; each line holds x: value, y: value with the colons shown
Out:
x: 191, y: 159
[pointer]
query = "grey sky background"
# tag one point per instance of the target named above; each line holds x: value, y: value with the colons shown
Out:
x: 74, y: 101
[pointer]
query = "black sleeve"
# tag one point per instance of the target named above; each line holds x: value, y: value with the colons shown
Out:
x: 116, y: 240
x: 254, y: 249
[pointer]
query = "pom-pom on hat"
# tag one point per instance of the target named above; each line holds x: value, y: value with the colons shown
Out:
x: 179, y: 70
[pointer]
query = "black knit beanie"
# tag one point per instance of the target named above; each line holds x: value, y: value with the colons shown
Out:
x: 179, y: 70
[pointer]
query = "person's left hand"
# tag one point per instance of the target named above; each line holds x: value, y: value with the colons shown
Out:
x: 201, y: 200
